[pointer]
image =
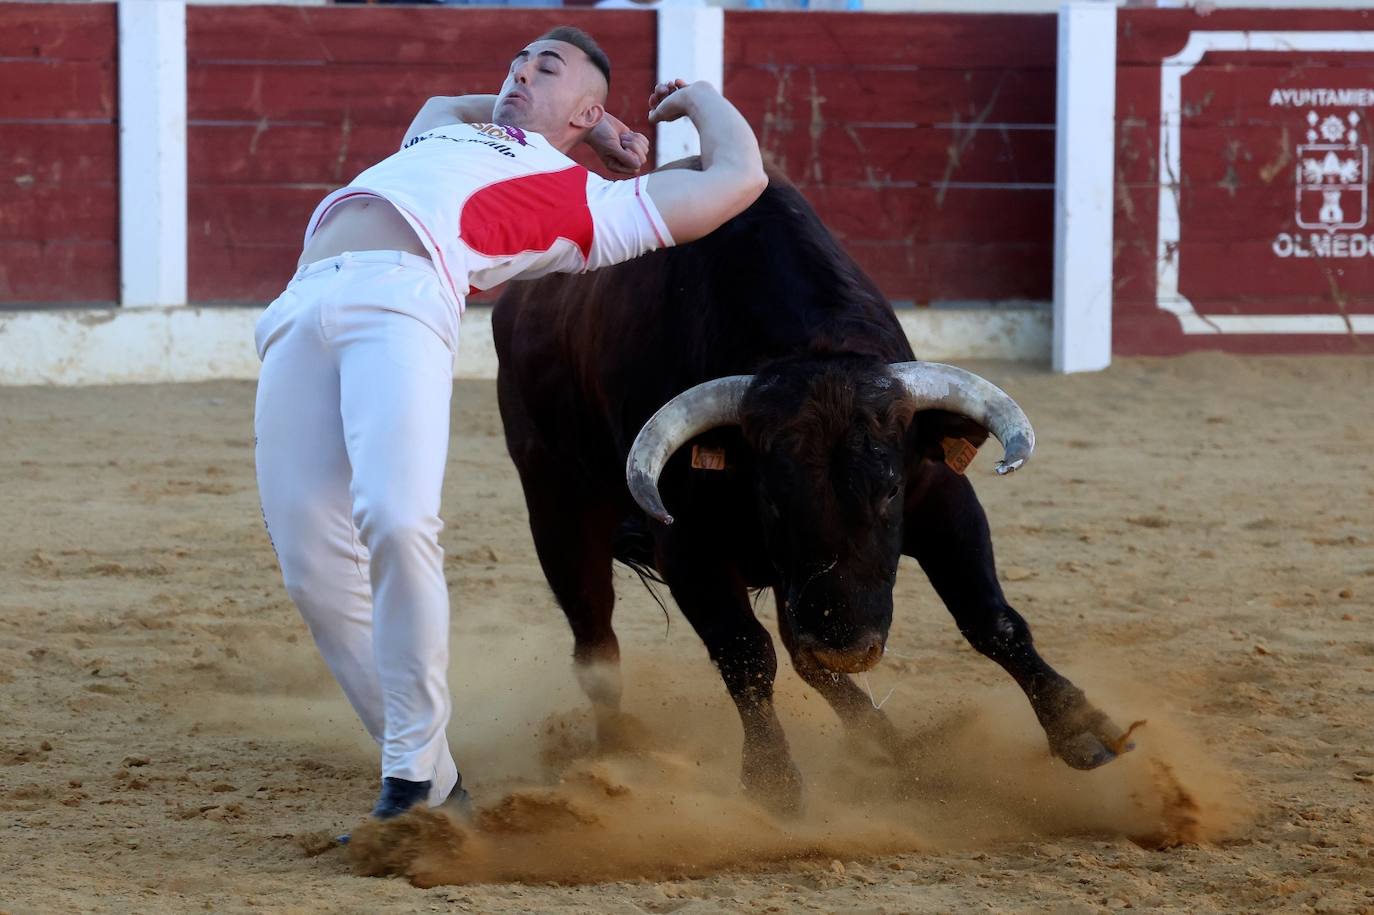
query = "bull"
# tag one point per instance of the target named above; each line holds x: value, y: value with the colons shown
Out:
x: 759, y: 383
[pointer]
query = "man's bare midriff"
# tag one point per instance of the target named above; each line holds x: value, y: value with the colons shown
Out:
x: 362, y: 224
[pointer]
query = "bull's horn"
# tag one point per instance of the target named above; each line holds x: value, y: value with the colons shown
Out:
x: 706, y: 406
x: 934, y: 386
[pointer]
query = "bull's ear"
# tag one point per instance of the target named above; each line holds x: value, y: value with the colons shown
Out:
x: 930, y: 428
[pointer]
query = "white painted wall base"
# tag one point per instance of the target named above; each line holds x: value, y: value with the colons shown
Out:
x: 143, y: 345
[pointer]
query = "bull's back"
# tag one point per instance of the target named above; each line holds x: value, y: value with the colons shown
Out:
x: 586, y: 359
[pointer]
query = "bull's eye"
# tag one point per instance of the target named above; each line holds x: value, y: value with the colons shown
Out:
x: 891, y: 496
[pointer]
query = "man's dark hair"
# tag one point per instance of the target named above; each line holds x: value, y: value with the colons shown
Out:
x: 583, y: 42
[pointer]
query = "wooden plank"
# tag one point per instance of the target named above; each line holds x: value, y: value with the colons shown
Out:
x: 924, y: 155
x: 58, y: 31
x: 1307, y: 304
x: 1272, y: 284
x: 59, y: 273
x: 361, y: 93
x: 1136, y: 334
x: 1245, y: 159
x: 962, y: 215
x: 799, y: 96
x: 991, y: 272
x: 225, y: 273
x: 251, y: 214
x: 1213, y: 214
x: 290, y: 154
x: 477, y: 38
x: 954, y: 40
x: 895, y: 266
x: 56, y: 212
x: 293, y: 154
x: 1147, y: 35
x: 55, y: 90
x: 1237, y: 92
x: 939, y: 272
x: 70, y: 153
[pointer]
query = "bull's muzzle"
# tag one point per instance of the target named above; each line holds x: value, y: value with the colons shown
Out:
x: 862, y: 654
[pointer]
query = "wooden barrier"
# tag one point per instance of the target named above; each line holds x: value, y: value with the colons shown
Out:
x: 926, y: 141
x: 59, y: 222
x: 1242, y: 206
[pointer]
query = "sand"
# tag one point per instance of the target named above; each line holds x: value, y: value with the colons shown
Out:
x: 1192, y: 542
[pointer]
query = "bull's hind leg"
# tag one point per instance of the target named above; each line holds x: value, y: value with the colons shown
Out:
x: 853, y: 706
x: 573, y: 539
x: 947, y: 532
x: 716, y: 602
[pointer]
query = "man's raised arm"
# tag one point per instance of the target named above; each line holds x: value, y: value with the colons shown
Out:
x: 694, y: 203
x: 451, y: 109
x: 620, y: 149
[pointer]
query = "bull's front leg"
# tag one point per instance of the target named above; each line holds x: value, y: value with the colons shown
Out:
x: 947, y: 532
x: 715, y: 601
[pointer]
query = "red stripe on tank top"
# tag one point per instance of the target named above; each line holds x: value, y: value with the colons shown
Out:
x: 529, y: 213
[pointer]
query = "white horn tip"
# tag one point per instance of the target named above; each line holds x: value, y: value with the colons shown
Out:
x: 1003, y: 468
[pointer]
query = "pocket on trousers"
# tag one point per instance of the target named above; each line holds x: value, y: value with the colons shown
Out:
x: 271, y: 322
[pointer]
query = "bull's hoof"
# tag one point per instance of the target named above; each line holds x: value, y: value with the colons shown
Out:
x: 778, y: 787
x: 1084, y: 737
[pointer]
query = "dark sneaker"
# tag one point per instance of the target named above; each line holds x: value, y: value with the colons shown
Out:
x: 399, y: 795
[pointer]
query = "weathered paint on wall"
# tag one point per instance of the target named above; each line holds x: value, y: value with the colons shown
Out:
x: 1242, y: 211
x: 926, y: 142
x: 58, y: 151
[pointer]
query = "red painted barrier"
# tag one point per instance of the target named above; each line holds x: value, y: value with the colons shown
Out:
x: 59, y: 221
x: 925, y: 141
x: 1257, y: 139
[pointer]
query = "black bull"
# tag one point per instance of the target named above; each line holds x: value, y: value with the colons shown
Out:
x: 823, y: 477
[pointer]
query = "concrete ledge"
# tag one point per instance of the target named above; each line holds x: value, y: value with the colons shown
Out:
x: 179, y: 343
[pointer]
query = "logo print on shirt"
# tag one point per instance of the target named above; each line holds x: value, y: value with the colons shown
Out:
x: 528, y: 213
x: 501, y: 132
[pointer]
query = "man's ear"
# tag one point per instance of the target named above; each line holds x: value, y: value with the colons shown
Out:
x: 589, y: 117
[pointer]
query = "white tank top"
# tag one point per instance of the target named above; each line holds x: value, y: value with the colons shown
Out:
x: 493, y: 203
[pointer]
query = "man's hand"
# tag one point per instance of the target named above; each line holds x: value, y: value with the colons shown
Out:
x: 661, y: 113
x: 694, y: 203
x: 618, y: 147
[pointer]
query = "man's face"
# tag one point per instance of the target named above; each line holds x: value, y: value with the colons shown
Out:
x: 552, y: 87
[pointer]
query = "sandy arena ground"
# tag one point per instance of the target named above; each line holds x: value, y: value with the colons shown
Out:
x: 1192, y: 543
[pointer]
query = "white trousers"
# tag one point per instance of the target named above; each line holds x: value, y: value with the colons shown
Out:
x: 352, y: 424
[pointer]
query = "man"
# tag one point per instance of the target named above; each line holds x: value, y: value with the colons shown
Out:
x: 353, y: 402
